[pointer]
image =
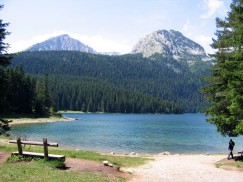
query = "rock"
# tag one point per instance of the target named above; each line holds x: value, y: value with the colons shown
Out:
x: 165, y: 153
x: 110, y: 164
x: 207, y: 153
x: 106, y: 163
x: 169, y: 43
x: 112, y: 153
x: 132, y: 153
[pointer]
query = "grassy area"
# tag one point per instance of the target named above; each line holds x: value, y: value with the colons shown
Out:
x: 117, y: 161
x: 41, y: 170
x: 17, y: 172
x: 232, y: 163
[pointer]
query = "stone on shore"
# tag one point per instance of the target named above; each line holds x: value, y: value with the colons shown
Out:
x: 107, y: 163
x: 165, y: 153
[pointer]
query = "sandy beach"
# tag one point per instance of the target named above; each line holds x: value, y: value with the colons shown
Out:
x: 39, y: 120
x: 185, y: 168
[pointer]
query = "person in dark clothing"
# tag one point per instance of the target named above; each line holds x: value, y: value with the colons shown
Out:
x: 231, y: 148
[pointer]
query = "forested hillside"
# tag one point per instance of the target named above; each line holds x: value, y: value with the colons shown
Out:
x: 127, y: 83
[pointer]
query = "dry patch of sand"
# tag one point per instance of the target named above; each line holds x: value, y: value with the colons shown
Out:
x: 38, y: 120
x: 184, y: 168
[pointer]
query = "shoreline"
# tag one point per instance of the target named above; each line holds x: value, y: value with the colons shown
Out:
x: 39, y: 120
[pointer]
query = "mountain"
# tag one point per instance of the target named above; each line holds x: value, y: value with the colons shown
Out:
x: 62, y: 42
x: 170, y: 44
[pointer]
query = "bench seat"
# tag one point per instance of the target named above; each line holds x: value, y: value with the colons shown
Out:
x: 40, y: 155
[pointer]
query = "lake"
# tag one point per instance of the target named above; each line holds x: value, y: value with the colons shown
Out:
x: 125, y: 133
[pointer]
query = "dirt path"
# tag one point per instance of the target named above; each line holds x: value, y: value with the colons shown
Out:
x: 83, y: 165
x: 4, y: 156
x: 185, y: 168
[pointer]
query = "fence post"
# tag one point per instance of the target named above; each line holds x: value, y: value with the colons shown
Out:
x: 19, y: 146
x: 45, y: 148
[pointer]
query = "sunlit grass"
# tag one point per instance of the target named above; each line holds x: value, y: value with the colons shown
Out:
x: 117, y: 161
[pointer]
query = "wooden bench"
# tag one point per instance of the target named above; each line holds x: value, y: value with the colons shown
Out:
x: 241, y: 153
x: 34, y: 154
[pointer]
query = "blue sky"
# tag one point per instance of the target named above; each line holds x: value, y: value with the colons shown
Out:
x: 109, y: 25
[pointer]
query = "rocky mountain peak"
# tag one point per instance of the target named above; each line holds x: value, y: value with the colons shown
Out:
x: 169, y: 43
x: 62, y: 42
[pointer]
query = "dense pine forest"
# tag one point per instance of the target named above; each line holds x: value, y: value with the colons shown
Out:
x: 22, y: 94
x: 124, y: 84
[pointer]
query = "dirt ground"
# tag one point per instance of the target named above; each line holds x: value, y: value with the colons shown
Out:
x: 185, y: 168
x: 4, y: 156
x: 83, y: 165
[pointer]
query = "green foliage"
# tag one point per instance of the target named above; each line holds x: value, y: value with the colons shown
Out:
x: 4, y: 57
x: 4, y: 61
x: 127, y: 84
x: 225, y: 91
x: 18, y: 158
x: 25, y: 95
x: 42, y: 100
x: 49, y: 163
x: 4, y: 126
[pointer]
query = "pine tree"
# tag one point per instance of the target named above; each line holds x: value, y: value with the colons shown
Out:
x: 4, y: 61
x: 225, y: 90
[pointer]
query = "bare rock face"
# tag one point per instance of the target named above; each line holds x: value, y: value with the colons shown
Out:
x: 170, y: 44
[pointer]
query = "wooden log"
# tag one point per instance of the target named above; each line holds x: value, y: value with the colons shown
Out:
x: 19, y: 146
x: 45, y: 148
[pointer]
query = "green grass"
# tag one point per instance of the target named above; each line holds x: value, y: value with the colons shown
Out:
x: 18, y: 169
x: 24, y: 172
x: 26, y: 169
x: 117, y: 161
x: 237, y: 164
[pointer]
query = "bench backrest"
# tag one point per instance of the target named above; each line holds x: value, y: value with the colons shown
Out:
x: 44, y: 143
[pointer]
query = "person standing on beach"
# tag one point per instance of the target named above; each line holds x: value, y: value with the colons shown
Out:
x: 231, y: 148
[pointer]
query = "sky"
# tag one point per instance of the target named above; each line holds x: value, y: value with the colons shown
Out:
x: 109, y: 25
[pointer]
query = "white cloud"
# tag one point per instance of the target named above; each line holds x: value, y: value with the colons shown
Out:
x: 187, y: 26
x: 193, y: 32
x: 213, y: 7
x: 204, y: 41
x: 103, y: 44
x: 97, y: 42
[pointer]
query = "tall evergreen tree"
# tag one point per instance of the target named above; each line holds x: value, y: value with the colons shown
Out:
x: 4, y: 56
x: 225, y: 90
x: 42, y: 100
x: 4, y: 61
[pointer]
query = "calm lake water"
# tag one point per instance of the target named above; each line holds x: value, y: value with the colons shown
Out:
x: 140, y: 133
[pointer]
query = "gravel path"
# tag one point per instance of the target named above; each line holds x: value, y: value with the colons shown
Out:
x: 185, y: 168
